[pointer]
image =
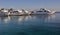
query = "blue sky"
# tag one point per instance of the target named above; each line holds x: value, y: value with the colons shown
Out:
x: 30, y: 4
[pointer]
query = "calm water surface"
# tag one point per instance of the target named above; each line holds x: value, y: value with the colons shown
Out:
x: 30, y: 25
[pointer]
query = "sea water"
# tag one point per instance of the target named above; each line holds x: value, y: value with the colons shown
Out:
x: 30, y: 25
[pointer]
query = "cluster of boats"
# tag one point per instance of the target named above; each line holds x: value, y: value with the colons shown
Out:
x: 11, y: 12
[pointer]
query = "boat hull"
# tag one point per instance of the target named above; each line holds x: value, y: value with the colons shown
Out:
x: 3, y: 14
x: 42, y: 13
x: 12, y: 14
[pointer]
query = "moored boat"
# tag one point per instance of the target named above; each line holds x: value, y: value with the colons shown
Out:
x: 12, y: 12
x: 42, y: 11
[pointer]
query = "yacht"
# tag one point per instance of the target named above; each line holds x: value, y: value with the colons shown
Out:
x: 23, y: 12
x: 43, y: 11
x: 4, y: 12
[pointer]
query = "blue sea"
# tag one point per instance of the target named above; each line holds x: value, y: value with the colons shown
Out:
x: 30, y: 25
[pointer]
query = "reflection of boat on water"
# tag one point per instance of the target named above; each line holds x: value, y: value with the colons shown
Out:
x: 44, y: 18
x: 50, y: 18
x: 25, y: 18
x: 5, y: 19
x: 34, y: 18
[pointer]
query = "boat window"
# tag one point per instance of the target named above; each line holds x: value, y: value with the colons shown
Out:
x: 15, y: 11
x: 32, y: 12
x: 45, y: 11
x: 39, y: 11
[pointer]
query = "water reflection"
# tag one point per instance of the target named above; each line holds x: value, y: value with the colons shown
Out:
x: 29, y: 25
x: 45, y: 18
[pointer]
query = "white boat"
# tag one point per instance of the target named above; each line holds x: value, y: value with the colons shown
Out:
x: 43, y: 11
x: 23, y: 12
x: 4, y: 13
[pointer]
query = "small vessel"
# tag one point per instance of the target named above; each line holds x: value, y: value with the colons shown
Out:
x: 12, y: 12
x: 42, y: 11
x: 3, y: 12
x: 23, y: 12
x: 18, y: 13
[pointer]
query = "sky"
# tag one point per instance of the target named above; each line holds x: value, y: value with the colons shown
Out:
x: 30, y: 4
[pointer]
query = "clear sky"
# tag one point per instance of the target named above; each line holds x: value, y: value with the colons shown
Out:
x: 30, y: 4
